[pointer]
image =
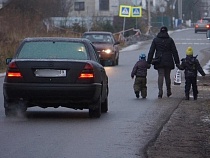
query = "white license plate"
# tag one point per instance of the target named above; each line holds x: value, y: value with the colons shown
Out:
x: 50, y: 73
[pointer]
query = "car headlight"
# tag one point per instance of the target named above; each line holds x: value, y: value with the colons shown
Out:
x: 108, y: 51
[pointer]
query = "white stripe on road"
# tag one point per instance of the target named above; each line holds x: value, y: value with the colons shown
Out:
x: 192, y: 43
x: 189, y: 39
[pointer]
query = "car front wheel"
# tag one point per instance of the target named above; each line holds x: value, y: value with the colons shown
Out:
x: 117, y: 61
x: 114, y: 61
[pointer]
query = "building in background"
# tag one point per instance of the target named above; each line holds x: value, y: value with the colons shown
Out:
x: 164, y: 12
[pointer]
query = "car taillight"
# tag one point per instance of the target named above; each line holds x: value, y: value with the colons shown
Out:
x: 13, y: 71
x: 207, y: 26
x: 196, y: 25
x: 87, y: 72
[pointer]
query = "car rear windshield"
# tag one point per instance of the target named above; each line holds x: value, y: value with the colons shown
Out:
x: 202, y: 21
x: 53, y: 50
x: 100, y: 38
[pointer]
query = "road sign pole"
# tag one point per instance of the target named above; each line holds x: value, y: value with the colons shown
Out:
x: 123, y: 26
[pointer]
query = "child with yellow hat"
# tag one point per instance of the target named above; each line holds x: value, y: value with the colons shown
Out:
x: 191, y: 67
x: 189, y: 51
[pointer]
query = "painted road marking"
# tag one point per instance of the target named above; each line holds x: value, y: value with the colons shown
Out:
x: 196, y: 41
x: 192, y: 43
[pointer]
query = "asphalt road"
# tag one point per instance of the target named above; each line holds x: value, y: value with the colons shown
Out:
x: 123, y: 132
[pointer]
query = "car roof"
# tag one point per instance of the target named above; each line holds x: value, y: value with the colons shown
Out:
x: 35, y: 39
x: 97, y: 32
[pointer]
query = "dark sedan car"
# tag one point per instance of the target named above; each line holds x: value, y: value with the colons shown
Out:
x: 201, y: 26
x: 106, y: 46
x: 53, y: 72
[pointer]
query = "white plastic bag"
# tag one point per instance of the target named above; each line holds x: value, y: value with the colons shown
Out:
x: 178, y: 77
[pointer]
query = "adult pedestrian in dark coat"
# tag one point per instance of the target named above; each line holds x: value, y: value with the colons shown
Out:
x: 163, y: 46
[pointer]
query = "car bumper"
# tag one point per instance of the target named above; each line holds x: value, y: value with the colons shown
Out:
x: 104, y: 57
x: 201, y: 30
x: 78, y: 95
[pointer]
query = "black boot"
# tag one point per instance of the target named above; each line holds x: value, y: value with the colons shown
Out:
x: 169, y: 92
x: 160, y: 94
x: 195, y: 97
x: 187, y: 97
x: 137, y: 94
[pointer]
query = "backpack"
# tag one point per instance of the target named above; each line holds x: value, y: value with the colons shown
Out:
x: 190, y: 67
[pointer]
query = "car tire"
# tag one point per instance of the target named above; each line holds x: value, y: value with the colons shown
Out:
x: 104, y: 106
x: 114, y: 61
x: 117, y: 61
x: 102, y: 62
x: 96, y: 112
x: 14, y: 108
x: 9, y: 112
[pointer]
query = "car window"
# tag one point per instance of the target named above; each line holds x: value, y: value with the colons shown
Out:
x: 53, y: 50
x: 101, y: 38
x: 202, y: 21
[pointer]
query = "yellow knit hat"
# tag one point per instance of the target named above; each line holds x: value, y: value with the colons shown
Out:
x: 189, y: 51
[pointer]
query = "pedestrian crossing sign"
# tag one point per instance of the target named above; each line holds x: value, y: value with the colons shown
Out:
x: 136, y: 12
x: 125, y: 11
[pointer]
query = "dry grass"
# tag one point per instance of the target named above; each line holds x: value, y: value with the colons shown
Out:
x: 14, y: 27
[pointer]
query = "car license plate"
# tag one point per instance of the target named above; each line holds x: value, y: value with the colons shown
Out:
x: 50, y: 73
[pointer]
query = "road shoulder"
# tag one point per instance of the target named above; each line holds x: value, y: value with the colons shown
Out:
x: 186, y: 134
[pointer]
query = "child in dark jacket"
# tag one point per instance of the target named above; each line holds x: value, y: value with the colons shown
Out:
x: 140, y: 71
x: 191, y: 67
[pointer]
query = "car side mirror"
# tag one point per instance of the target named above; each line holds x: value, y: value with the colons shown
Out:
x: 208, y: 34
x: 8, y: 60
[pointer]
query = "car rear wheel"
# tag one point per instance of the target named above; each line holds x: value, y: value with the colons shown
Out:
x: 14, y: 108
x: 96, y: 112
x: 104, y: 106
x: 9, y: 112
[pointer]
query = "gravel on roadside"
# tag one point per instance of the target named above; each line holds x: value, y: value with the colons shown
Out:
x: 187, y: 133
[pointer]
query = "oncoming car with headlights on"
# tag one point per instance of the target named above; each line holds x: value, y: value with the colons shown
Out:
x: 106, y: 46
x: 53, y: 72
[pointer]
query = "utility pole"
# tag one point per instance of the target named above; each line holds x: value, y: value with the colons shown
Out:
x: 180, y: 9
x: 149, y: 17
